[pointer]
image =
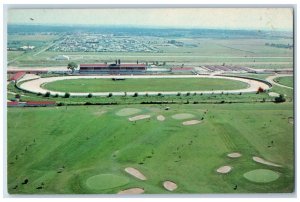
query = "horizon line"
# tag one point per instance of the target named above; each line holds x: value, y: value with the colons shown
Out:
x: 149, y: 27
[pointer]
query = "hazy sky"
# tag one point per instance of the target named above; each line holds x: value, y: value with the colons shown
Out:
x: 230, y: 18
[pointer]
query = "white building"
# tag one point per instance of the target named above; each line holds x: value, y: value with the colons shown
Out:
x: 27, y: 47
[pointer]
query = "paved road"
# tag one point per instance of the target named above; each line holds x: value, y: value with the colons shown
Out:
x: 34, y: 86
x: 271, y: 80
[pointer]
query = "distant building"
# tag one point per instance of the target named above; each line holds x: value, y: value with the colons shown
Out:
x: 13, y: 104
x: 40, y: 103
x: 62, y: 57
x: 27, y: 47
x: 182, y: 69
x: 28, y: 71
x: 31, y: 104
x: 17, y: 76
x: 116, y: 68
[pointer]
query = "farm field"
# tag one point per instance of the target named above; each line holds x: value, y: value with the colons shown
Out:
x: 286, y: 81
x: 74, y: 149
x: 152, y: 84
x: 250, y: 52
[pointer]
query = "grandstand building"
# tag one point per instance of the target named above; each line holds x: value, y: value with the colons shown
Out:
x: 112, y: 68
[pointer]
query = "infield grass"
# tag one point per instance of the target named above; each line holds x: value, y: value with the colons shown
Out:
x: 286, y: 81
x: 153, y: 84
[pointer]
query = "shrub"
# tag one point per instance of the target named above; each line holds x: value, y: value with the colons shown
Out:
x: 67, y: 95
x: 110, y: 94
x: 47, y: 94
x: 125, y: 94
x: 280, y: 98
x: 146, y: 94
x: 178, y: 94
x: 17, y: 96
x: 240, y: 93
x: 90, y: 95
x: 188, y: 94
x: 135, y: 94
x: 39, y: 94
x: 60, y: 104
x: 56, y: 95
x: 158, y: 94
x: 260, y: 90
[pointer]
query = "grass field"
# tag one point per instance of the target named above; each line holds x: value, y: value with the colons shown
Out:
x: 68, y: 149
x: 153, y: 84
x: 286, y: 81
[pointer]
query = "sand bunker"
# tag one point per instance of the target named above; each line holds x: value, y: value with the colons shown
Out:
x: 234, y: 155
x: 139, y: 117
x: 128, y: 111
x: 169, y: 185
x: 272, y: 94
x: 160, y: 118
x: 224, y: 169
x: 191, y: 122
x: 183, y: 116
x: 261, y: 176
x: 262, y: 161
x: 132, y: 191
x: 134, y: 172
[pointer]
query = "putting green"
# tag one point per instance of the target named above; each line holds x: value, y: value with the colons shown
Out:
x: 128, y: 111
x: 183, y: 116
x: 106, y: 181
x: 262, y: 175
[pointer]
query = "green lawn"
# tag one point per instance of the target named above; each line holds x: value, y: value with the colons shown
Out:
x: 286, y: 81
x: 153, y: 84
x: 89, y: 141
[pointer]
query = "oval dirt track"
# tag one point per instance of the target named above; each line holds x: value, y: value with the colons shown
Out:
x: 34, y: 86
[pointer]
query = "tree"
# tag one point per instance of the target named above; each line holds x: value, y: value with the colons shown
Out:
x: 90, y: 95
x: 280, y: 98
x: 17, y: 96
x: 67, y: 95
x: 260, y: 90
x: 72, y: 66
x: 47, y: 94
